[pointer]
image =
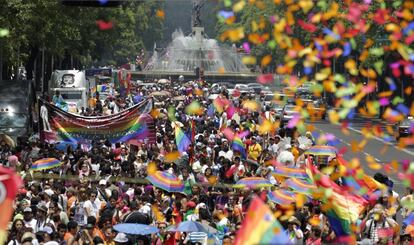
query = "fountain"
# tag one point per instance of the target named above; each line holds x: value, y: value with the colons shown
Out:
x: 187, y: 53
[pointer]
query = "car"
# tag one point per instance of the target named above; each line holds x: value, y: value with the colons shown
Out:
x: 278, y: 109
x: 289, y: 112
x: 316, y: 110
x: 243, y: 89
x: 405, y: 128
x: 257, y: 88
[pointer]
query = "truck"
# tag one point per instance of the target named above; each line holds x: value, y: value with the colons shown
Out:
x: 18, y: 113
x: 73, y: 88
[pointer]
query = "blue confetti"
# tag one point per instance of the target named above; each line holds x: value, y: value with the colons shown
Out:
x: 391, y: 83
x: 347, y: 49
x: 403, y: 109
x: 409, y: 220
x: 408, y: 28
x: 351, y: 114
x: 226, y: 14
x: 412, y: 57
x: 318, y: 47
x: 388, y: 138
x: 307, y: 70
x: 331, y: 33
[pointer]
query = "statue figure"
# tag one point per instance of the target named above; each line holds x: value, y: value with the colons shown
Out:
x: 197, y: 5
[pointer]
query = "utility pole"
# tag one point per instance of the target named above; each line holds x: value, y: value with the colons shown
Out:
x: 42, y: 77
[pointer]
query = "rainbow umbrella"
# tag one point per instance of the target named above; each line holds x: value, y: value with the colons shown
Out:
x: 45, y: 163
x: 322, y: 150
x: 300, y: 185
x: 166, y: 181
x: 282, y: 197
x: 253, y: 182
x: 291, y: 172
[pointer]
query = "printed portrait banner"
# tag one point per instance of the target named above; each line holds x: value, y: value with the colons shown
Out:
x: 133, y: 124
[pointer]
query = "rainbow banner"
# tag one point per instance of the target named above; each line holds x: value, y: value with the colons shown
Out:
x: 9, y: 184
x: 134, y: 123
x: 45, y: 163
x: 260, y: 226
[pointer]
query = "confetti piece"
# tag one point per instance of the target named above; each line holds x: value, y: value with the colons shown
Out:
x: 265, y: 78
x: 104, y: 25
x: 266, y: 60
x: 246, y: 47
x: 239, y: 6
x: 152, y: 168
x: 226, y: 14
x: 160, y: 14
x: 172, y: 156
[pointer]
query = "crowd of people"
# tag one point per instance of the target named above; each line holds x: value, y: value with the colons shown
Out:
x: 83, y: 203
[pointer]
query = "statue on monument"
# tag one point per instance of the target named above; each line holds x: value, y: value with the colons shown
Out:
x: 197, y: 5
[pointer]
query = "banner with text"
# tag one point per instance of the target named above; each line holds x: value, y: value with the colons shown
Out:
x: 133, y: 124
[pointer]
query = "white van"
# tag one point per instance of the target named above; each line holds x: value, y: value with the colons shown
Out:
x: 72, y: 86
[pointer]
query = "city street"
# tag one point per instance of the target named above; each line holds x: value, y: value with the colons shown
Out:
x: 374, y: 147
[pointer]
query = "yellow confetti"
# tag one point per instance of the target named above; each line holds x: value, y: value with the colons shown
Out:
x: 249, y: 60
x: 152, y: 168
x: 239, y: 6
x: 171, y: 156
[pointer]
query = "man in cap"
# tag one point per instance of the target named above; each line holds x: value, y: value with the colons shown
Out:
x: 28, y: 219
x: 294, y: 232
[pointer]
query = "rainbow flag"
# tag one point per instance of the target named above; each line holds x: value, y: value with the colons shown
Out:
x: 300, y: 186
x: 182, y: 141
x: 9, y: 183
x: 344, y: 207
x: 45, y: 163
x: 238, y: 145
x: 291, y: 172
x: 260, y: 226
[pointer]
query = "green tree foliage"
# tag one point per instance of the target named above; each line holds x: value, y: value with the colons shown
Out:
x: 67, y: 31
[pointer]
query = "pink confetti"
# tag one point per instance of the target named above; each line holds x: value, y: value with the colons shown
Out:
x: 228, y: 133
x: 246, y: 47
x: 384, y: 101
x: 293, y: 122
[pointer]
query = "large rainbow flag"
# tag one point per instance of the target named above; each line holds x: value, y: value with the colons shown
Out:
x: 134, y: 123
x: 260, y: 226
x: 343, y: 207
x: 9, y: 184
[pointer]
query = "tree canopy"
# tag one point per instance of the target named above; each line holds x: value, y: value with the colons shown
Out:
x: 86, y: 35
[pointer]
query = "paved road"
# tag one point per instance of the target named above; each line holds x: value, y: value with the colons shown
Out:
x: 383, y: 152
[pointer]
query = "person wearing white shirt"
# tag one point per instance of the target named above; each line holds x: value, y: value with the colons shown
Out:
x: 28, y: 219
x: 92, y: 205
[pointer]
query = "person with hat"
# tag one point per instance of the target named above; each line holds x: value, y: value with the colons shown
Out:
x: 42, y: 219
x: 28, y: 219
x: 293, y: 231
